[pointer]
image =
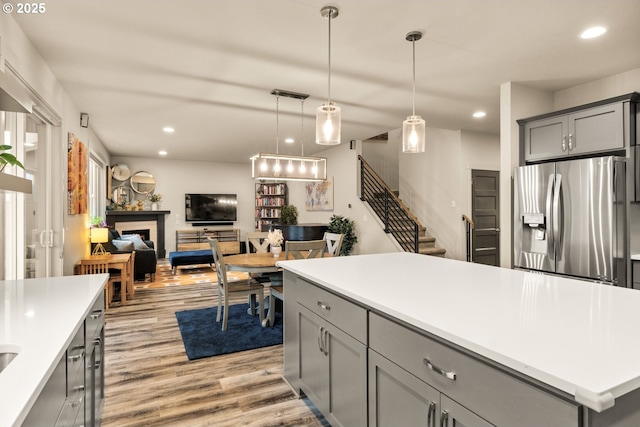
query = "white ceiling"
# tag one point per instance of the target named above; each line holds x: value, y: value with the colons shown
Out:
x: 207, y: 67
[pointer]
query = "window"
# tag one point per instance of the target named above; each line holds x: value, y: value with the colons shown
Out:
x: 97, y: 187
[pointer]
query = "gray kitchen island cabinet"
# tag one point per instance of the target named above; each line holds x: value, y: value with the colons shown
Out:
x: 322, y: 359
x: 454, y: 343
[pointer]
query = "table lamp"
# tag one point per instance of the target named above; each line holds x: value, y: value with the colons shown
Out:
x: 99, y: 236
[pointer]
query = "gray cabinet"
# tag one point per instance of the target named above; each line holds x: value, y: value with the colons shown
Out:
x: 322, y: 359
x: 46, y: 408
x: 593, y: 130
x: 397, y: 398
x: 94, y: 367
x: 74, y: 393
x: 471, y: 392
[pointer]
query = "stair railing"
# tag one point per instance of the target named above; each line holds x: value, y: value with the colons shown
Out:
x: 395, y: 215
x: 468, y: 225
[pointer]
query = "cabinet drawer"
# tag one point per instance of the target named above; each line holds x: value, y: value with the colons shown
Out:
x: 95, y: 319
x: 75, y: 363
x: 493, y: 394
x: 336, y: 310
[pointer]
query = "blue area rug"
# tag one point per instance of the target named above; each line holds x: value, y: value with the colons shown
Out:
x: 203, y: 337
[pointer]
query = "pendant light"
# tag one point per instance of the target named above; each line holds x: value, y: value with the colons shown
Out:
x: 328, y: 114
x: 286, y: 167
x: 413, y: 129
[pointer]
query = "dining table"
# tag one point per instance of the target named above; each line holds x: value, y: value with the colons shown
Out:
x: 259, y: 263
x: 123, y: 263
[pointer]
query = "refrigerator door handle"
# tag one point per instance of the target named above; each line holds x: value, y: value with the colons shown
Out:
x: 557, y: 232
x: 550, y: 221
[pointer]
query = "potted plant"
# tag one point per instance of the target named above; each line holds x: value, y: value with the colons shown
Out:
x: 8, y: 158
x: 275, y: 239
x: 341, y: 225
x: 288, y: 215
x: 155, y: 199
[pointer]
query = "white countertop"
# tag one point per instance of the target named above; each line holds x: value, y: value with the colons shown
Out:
x: 579, y: 337
x: 39, y: 317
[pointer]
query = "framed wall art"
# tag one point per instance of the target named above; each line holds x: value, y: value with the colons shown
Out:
x: 77, y: 185
x: 319, y: 195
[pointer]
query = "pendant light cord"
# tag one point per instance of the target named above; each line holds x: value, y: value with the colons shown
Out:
x: 329, y: 83
x: 302, y: 125
x: 413, y: 44
x: 277, y: 124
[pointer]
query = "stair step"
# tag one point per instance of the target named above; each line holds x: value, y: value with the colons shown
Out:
x: 433, y: 251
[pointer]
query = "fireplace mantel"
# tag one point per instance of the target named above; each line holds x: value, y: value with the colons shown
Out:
x: 114, y: 217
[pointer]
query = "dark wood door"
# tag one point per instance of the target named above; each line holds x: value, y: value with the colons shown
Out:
x: 485, y: 211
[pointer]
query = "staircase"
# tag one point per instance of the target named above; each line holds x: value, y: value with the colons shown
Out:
x: 396, y: 216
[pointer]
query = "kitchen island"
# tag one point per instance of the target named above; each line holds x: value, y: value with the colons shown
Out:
x: 41, y: 320
x: 454, y: 340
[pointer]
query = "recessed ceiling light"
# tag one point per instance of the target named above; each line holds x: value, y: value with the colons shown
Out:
x: 289, y: 140
x: 593, y: 32
x: 479, y: 114
x: 162, y: 152
x: 168, y: 129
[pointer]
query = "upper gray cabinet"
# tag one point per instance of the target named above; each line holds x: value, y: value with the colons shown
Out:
x: 590, y: 131
x: 602, y: 127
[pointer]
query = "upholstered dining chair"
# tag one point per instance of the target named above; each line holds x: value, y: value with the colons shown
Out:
x: 334, y: 242
x: 304, y: 249
x: 245, y: 287
x: 98, y: 265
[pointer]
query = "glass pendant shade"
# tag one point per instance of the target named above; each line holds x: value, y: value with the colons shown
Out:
x: 413, y: 131
x: 328, y: 122
x: 270, y: 167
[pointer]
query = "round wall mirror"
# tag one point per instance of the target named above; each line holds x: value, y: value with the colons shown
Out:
x: 120, y: 172
x: 143, y: 182
x: 123, y: 195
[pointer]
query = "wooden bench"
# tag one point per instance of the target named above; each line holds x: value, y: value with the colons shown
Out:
x: 203, y: 256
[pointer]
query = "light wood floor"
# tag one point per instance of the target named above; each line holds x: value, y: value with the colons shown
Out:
x: 150, y: 382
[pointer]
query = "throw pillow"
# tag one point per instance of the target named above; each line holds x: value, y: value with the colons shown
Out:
x: 123, y: 245
x: 136, y: 239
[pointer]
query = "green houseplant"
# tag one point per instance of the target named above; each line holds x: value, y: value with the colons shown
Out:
x: 288, y: 215
x: 8, y: 158
x: 342, y: 225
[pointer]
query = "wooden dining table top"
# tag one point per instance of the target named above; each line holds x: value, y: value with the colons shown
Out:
x: 255, y: 261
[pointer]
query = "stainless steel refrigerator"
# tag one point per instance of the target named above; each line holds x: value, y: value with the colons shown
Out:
x: 570, y: 218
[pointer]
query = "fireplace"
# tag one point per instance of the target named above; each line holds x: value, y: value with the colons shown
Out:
x: 139, y: 222
x: 144, y: 233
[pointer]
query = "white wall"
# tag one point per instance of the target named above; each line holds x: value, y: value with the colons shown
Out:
x: 382, y: 156
x: 516, y: 102
x: 342, y: 165
x: 175, y: 178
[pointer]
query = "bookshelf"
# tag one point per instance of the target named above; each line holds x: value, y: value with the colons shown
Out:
x: 270, y: 197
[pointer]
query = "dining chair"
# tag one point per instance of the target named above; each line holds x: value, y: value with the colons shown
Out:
x: 98, y: 265
x: 245, y: 287
x: 118, y: 276
x: 258, y: 241
x: 334, y: 242
x: 304, y: 249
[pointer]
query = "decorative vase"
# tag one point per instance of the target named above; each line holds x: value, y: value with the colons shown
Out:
x: 275, y: 250
x: 154, y: 206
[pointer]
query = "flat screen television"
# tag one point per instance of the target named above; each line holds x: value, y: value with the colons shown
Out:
x: 210, y: 207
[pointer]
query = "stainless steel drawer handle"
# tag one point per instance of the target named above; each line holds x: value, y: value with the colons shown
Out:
x: 444, y: 419
x: 95, y: 316
x: 324, y: 306
x: 431, y: 414
x: 449, y: 374
x: 75, y: 357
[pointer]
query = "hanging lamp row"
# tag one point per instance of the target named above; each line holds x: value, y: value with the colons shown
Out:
x: 286, y: 167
